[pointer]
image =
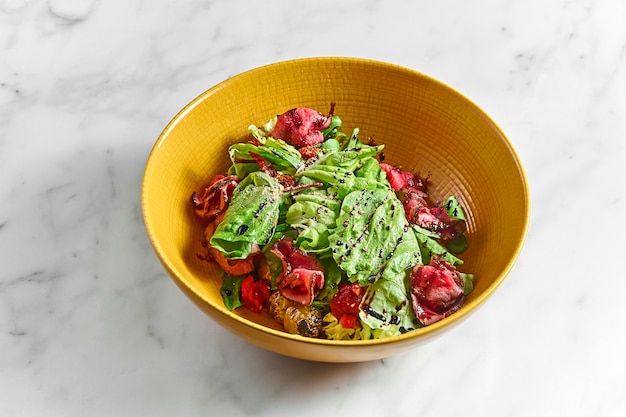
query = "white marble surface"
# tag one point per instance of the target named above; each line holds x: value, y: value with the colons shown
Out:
x: 90, y: 324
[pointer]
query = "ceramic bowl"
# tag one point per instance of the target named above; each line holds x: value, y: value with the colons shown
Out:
x: 426, y: 126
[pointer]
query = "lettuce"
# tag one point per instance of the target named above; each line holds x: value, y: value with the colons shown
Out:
x: 370, y: 227
x: 352, y: 221
x: 386, y: 306
x: 335, y: 331
x: 429, y: 246
x: 250, y: 219
x: 231, y: 291
x: 313, y: 214
x: 454, y: 209
x: 280, y: 154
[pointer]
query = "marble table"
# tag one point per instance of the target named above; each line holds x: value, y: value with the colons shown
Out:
x: 90, y: 323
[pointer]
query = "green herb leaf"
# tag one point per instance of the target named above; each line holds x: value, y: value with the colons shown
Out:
x: 454, y: 209
x: 231, y: 291
x: 334, y: 130
x: 429, y: 246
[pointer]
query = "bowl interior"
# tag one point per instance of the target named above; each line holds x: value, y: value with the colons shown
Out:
x: 426, y: 127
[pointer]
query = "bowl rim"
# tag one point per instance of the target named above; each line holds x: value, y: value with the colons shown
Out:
x: 468, y: 307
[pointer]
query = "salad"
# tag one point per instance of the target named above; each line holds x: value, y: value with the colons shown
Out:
x: 311, y: 226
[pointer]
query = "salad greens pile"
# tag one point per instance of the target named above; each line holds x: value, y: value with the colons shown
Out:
x: 341, y: 209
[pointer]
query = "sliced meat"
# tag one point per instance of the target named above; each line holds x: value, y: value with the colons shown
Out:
x: 301, y: 126
x: 215, y: 198
x: 302, y: 276
x: 436, y: 291
x: 233, y: 267
x: 301, y: 285
x: 438, y: 220
x: 399, y: 179
x: 309, y: 151
x: 412, y: 191
x: 435, y: 219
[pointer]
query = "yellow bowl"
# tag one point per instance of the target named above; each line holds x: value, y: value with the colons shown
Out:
x: 426, y: 126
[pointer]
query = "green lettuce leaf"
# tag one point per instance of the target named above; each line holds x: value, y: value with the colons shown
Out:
x: 281, y: 155
x: 372, y: 172
x: 251, y: 217
x: 313, y: 215
x: 275, y: 265
x: 349, y: 159
x: 339, y: 180
x: 333, y: 275
x: 405, y: 256
x: 468, y: 282
x: 430, y: 246
x: 333, y: 132
x: 261, y: 132
x: 386, y: 307
x: 330, y: 145
x: 370, y: 227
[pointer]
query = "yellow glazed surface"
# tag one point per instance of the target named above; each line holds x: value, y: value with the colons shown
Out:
x: 426, y: 127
